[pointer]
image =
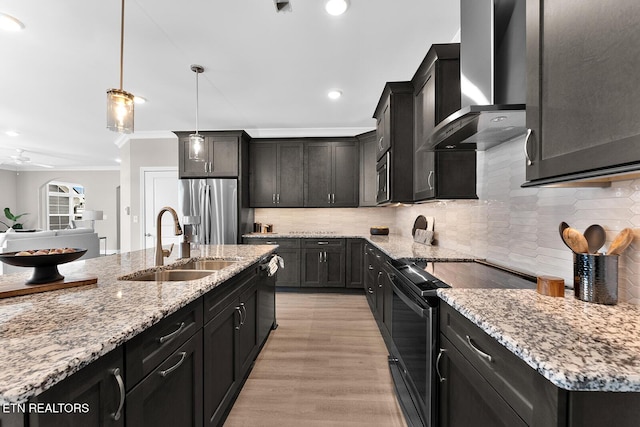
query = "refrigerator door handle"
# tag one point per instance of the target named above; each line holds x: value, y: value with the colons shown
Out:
x: 206, y: 209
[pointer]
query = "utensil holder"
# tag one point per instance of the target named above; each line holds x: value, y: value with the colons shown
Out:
x: 596, y: 278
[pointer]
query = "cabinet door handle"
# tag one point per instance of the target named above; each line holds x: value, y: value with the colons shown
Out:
x: 273, y: 198
x: 277, y: 197
x: 329, y: 198
x: 243, y: 317
x: 440, y: 377
x: 269, y: 242
x: 370, y: 290
x: 380, y: 143
x: 480, y: 352
x: 325, y: 256
x: 166, y: 338
x: 210, y: 166
x: 239, y: 314
x: 429, y: 180
x: 166, y: 372
x: 333, y: 197
x: 526, y: 148
x: 379, y: 276
x: 116, y: 373
x: 370, y: 267
x: 319, y: 257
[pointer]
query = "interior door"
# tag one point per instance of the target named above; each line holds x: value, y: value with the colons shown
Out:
x: 160, y: 188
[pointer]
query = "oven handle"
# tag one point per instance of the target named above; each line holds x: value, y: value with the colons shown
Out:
x: 422, y: 312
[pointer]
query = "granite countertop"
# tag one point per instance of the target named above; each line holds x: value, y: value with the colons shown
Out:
x: 48, y: 336
x: 393, y: 245
x: 574, y: 344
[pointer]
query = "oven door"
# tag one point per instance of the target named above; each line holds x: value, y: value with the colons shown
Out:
x: 414, y: 332
x: 383, y: 195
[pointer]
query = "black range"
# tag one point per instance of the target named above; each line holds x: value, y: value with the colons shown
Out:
x: 414, y: 324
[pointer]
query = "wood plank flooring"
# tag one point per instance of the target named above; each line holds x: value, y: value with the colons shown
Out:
x: 325, y: 365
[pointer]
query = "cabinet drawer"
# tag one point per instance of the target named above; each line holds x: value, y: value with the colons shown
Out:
x: 216, y: 300
x: 319, y: 243
x: 510, y: 376
x: 283, y: 243
x: 147, y: 350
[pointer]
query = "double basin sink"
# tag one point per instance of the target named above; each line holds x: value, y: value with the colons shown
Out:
x: 192, y: 270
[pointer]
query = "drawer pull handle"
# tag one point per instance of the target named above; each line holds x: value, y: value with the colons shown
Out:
x: 323, y: 243
x: 166, y: 372
x: 480, y: 352
x: 440, y: 377
x: 269, y: 242
x: 172, y: 334
x: 116, y: 373
x: 370, y: 290
x: 370, y: 267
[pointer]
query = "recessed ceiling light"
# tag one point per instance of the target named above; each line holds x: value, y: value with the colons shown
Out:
x: 139, y: 100
x: 334, y: 94
x: 9, y: 23
x: 336, y: 7
x: 12, y: 133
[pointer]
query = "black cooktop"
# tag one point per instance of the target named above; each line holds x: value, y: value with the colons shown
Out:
x: 428, y: 276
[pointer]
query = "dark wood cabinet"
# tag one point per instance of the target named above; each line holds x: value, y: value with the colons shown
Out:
x: 230, y: 344
x: 220, y: 156
x: 436, y: 95
x: 276, y: 178
x: 369, y: 276
x: 394, y: 116
x: 466, y: 398
x: 98, y: 390
x: 583, y: 93
x: 367, y: 142
x: 266, y: 311
x: 355, y: 264
x: 331, y: 173
x: 323, y: 263
x: 171, y: 395
x: 482, y: 383
x: 289, y: 250
x: 379, y: 289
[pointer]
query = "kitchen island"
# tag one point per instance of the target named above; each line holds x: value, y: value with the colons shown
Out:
x: 46, y: 337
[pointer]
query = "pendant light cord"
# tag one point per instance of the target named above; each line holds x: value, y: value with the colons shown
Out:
x: 121, y: 43
x: 197, y: 102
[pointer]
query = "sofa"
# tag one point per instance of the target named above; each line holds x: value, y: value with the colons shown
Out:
x: 85, y: 238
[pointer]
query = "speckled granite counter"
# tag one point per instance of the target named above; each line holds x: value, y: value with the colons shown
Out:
x: 48, y: 336
x: 393, y: 245
x: 574, y: 344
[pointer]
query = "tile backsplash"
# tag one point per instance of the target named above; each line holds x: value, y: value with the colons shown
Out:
x: 509, y: 225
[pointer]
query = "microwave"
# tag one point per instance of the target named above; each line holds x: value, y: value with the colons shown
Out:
x: 383, y: 192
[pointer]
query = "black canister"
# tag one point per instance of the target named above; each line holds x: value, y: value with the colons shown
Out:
x: 596, y: 278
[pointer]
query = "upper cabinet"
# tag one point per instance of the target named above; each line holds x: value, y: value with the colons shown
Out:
x: 583, y: 89
x: 276, y: 174
x: 331, y: 173
x: 220, y: 157
x: 446, y: 173
x: 394, y: 133
x: 368, y: 150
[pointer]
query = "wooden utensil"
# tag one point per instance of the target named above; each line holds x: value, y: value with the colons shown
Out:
x: 595, y: 236
x: 575, y: 240
x: 563, y: 226
x: 620, y: 243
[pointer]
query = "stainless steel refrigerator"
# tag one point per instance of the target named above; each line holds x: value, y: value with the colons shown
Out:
x: 214, y: 205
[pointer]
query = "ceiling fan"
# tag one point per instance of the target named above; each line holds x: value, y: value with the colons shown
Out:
x: 21, y: 159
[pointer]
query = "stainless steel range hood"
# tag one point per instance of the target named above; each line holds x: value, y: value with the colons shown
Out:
x: 492, y: 76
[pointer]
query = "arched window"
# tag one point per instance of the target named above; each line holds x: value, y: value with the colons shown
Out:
x: 65, y: 203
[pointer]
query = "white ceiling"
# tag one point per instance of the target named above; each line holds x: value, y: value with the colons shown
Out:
x: 265, y: 72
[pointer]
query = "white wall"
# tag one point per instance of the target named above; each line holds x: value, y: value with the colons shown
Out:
x: 100, y: 194
x: 7, y: 195
x: 137, y: 154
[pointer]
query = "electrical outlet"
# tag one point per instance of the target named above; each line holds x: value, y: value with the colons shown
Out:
x: 135, y: 219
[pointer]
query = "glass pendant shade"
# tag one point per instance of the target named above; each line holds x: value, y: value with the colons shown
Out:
x: 119, y: 111
x: 196, y: 145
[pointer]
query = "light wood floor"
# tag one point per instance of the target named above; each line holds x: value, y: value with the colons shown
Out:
x: 325, y: 365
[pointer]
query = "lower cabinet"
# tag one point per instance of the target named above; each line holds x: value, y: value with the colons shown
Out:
x: 323, y: 263
x: 482, y: 383
x: 289, y: 250
x: 378, y: 288
x: 355, y: 264
x: 170, y: 396
x: 97, y: 392
x: 230, y: 344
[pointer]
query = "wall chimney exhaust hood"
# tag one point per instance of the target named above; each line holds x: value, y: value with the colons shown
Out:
x: 492, y: 77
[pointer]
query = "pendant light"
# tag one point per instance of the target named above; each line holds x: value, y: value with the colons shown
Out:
x: 120, y: 102
x: 196, y: 141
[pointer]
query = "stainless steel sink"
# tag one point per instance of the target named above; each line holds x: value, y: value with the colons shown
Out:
x: 206, y: 264
x: 171, y: 275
